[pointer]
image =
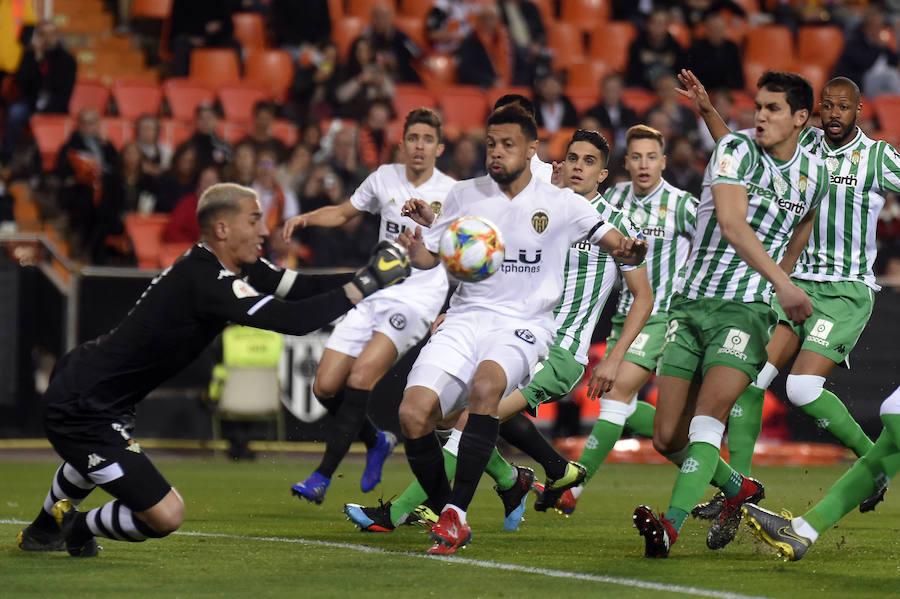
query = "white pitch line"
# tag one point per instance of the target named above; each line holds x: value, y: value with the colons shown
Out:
x: 628, y: 582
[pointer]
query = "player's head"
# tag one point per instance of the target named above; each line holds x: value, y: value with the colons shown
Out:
x: 645, y: 157
x: 232, y: 223
x: 422, y: 141
x: 783, y: 105
x: 839, y: 107
x: 584, y: 167
x: 511, y: 142
x: 523, y: 101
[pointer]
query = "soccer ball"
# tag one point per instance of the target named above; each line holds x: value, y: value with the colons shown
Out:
x: 472, y: 249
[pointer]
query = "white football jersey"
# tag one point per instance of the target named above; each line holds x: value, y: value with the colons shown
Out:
x: 540, y: 169
x: 384, y: 192
x: 538, y: 227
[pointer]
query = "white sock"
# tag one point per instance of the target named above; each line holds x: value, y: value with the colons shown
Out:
x: 459, y: 512
x: 803, y: 528
x: 576, y: 491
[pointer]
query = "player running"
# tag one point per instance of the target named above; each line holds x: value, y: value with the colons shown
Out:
x: 760, y: 194
x: 381, y: 329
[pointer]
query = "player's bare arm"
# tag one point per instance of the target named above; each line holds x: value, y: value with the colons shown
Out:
x: 696, y: 93
x: 626, y: 250
x: 731, y: 213
x: 799, y: 240
x: 327, y: 216
x: 419, y: 255
x: 419, y: 210
x: 604, y: 374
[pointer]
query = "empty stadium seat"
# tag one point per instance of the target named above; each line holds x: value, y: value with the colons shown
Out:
x: 249, y: 30
x: 286, y: 131
x: 170, y: 252
x: 410, y: 96
x: 184, y: 95
x: 753, y: 70
x: 89, y: 94
x: 638, y: 99
x: 134, y: 98
x: 414, y: 27
x: 772, y: 45
x: 117, y: 131
x: 415, y: 8
x: 565, y: 41
x: 272, y: 70
x: 145, y: 232
x: 586, y: 74
x: 215, y: 67
x: 344, y: 32
x: 151, y: 9
x: 819, y: 44
x: 558, y: 142
x: 610, y: 42
x: 585, y: 14
x: 173, y: 132
x: 817, y: 77
x: 438, y: 71
x: 238, y: 101
x: 50, y: 133
x: 232, y: 132
x: 464, y: 105
x: 887, y: 109
x: 363, y: 8
x: 583, y: 98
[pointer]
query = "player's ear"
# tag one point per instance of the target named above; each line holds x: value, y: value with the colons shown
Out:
x: 603, y: 175
x: 530, y: 149
x: 220, y: 230
x: 440, y: 149
x: 663, y: 162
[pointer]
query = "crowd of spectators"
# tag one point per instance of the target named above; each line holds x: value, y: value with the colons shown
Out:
x: 343, y: 107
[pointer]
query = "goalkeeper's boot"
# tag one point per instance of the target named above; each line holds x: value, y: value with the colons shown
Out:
x: 514, y: 497
x: 422, y: 516
x: 868, y: 504
x: 78, y: 545
x: 725, y: 526
x: 313, y: 488
x: 449, y: 534
x: 659, y: 534
x: 777, y: 531
x: 709, y: 510
x: 375, y: 458
x: 370, y: 519
x: 553, y: 489
x: 33, y: 539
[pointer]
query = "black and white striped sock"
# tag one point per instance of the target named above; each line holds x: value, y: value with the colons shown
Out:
x: 115, y: 520
x: 67, y: 484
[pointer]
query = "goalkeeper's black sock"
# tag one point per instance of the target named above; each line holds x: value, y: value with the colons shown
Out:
x: 521, y: 432
x: 368, y: 434
x: 475, y: 448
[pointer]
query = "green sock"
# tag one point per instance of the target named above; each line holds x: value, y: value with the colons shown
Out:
x: 744, y: 425
x: 641, y: 422
x: 598, y: 445
x: 858, y: 483
x: 693, y: 479
x: 415, y: 495
x: 501, y: 471
x: 727, y: 478
x: 892, y: 426
x: 832, y: 415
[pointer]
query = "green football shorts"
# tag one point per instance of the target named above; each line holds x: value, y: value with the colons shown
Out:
x: 706, y: 332
x: 647, y: 347
x: 841, y: 310
x: 553, y: 378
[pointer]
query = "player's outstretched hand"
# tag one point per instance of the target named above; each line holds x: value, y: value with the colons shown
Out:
x: 556, y: 177
x: 388, y: 265
x: 602, y: 378
x: 419, y: 210
x: 630, y: 251
x: 694, y: 91
x: 295, y: 222
x: 794, y: 302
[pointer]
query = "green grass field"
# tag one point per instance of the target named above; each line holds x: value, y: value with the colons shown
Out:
x: 245, y: 536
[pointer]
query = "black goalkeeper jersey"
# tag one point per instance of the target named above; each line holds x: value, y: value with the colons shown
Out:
x: 179, y: 314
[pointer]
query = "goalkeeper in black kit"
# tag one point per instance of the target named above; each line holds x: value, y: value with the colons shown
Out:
x: 90, y: 403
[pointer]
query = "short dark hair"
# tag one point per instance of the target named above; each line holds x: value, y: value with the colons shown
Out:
x: 645, y: 132
x: 523, y: 101
x: 798, y: 90
x: 595, y: 138
x: 262, y: 105
x: 425, y: 116
x: 844, y: 82
x: 204, y: 107
x: 515, y: 114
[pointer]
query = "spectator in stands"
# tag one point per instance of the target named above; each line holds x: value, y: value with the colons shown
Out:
x: 278, y: 205
x: 199, y: 24
x: 182, y: 226
x: 467, y: 159
x: 179, y: 180
x: 374, y: 149
x: 312, y: 91
x: 553, y: 110
x: 299, y: 25
x: 681, y: 166
x: 485, y: 56
x: 364, y: 79
x: 660, y: 120
x: 715, y: 59
x: 242, y: 168
x: 448, y: 23
x: 867, y: 56
x: 292, y: 173
x: 157, y: 156
x: 654, y: 53
x: 613, y: 116
x: 260, y: 135
x: 397, y: 51
x: 345, y: 158
x: 694, y: 12
x: 211, y: 149
x: 522, y: 20
x: 45, y: 78
x: 682, y: 118
x: 84, y: 162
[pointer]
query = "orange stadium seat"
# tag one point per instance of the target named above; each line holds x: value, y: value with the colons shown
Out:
x: 818, y: 44
x: 772, y: 45
x: 565, y: 40
x: 463, y: 106
x: 583, y: 98
x: 184, y: 95
x: 416, y: 8
x: 170, y: 252
x: 638, y: 99
x: 344, y: 32
x: 414, y: 27
x: 495, y: 93
x: 271, y: 69
x: 438, y: 71
x: 232, y: 132
x: 117, y: 131
x: 585, y: 14
x: 752, y: 72
x: 335, y: 10
x: 215, y: 67
x: 887, y: 109
x: 173, y: 132
x: 134, y: 98
x: 249, y: 30
x: 558, y: 142
x: 286, y: 131
x: 238, y: 101
x: 817, y: 77
x: 610, y: 42
x: 151, y: 9
x: 50, y: 133
x: 586, y: 74
x: 363, y: 8
x: 89, y: 94
x: 409, y: 96
x: 681, y: 33
x: 547, y: 9
x: 145, y: 232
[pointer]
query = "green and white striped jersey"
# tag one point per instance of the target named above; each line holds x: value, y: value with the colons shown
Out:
x: 842, y: 243
x: 667, y: 218
x: 778, y: 195
x: 590, y: 274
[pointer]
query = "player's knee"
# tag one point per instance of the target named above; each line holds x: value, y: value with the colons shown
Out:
x: 484, y: 395
x: 803, y: 389
x: 667, y: 441
x: 325, y: 390
x: 362, y: 378
x: 165, y: 517
x: 414, y: 421
x: 891, y: 405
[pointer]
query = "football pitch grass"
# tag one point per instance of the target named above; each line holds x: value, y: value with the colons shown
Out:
x: 244, y: 535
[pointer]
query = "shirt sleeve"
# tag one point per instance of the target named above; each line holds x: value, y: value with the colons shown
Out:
x: 585, y: 222
x: 686, y: 215
x: 628, y: 229
x: 732, y: 160
x: 365, y: 198
x: 450, y: 211
x: 290, y: 284
x: 889, y: 169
